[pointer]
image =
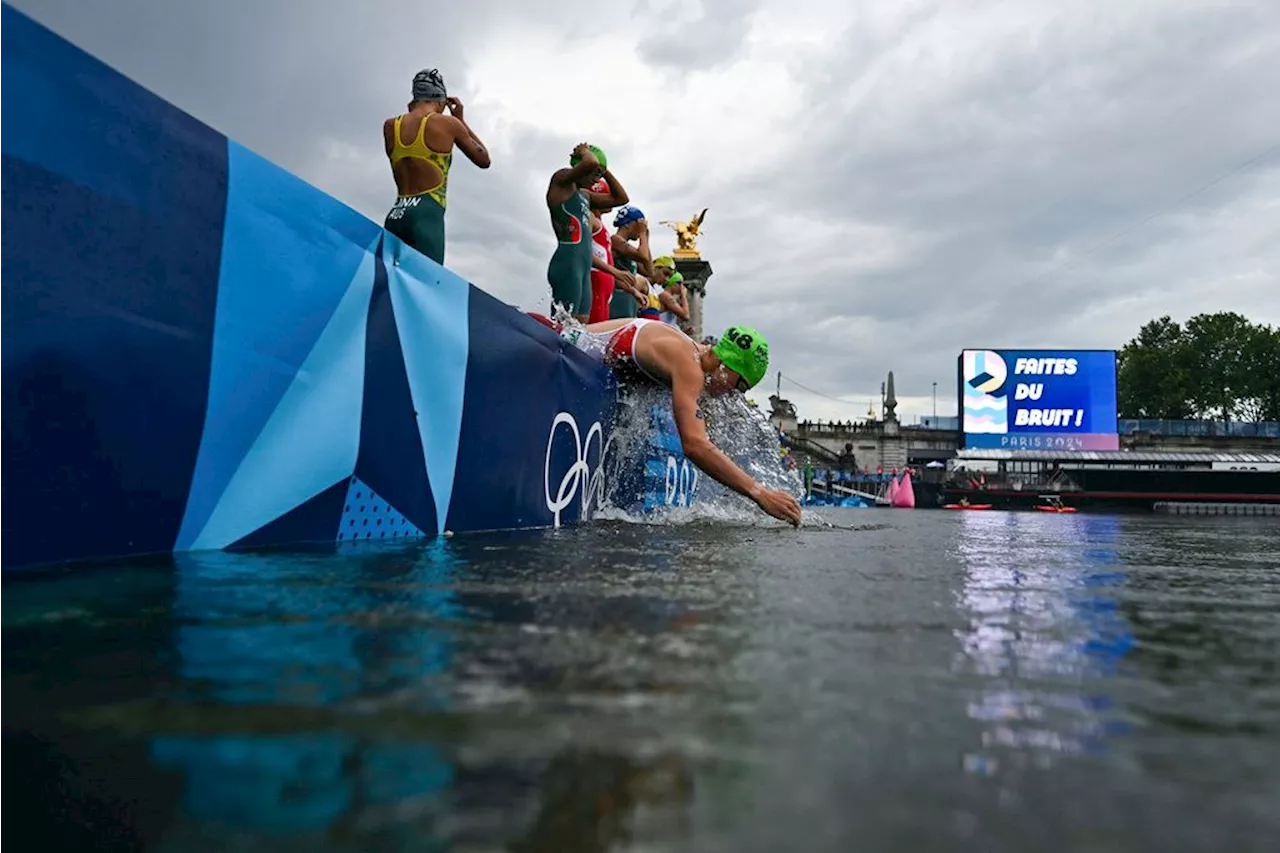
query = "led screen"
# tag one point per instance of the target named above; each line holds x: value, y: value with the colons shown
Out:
x: 1039, y: 399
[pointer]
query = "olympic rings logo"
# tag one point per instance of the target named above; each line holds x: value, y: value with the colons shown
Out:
x: 580, y: 472
x: 682, y: 482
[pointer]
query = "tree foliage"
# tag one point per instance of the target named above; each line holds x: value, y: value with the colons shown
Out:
x: 1216, y: 366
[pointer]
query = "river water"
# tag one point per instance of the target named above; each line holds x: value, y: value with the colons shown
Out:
x: 889, y: 680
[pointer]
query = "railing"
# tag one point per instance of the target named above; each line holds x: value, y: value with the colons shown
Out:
x: 876, y: 495
x: 1197, y: 429
x: 940, y: 422
x: 1016, y: 482
x: 812, y: 448
x: 847, y: 479
x: 839, y: 428
x: 1125, y: 426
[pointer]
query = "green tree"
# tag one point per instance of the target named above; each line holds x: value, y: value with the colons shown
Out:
x: 1153, y: 373
x: 1261, y: 396
x: 1217, y: 347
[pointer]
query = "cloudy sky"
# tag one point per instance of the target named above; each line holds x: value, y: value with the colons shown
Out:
x: 888, y: 182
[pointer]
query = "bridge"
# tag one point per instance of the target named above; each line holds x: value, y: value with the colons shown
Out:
x: 870, y: 444
x: 819, y: 486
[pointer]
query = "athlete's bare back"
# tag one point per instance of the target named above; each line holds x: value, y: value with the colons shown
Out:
x: 660, y: 349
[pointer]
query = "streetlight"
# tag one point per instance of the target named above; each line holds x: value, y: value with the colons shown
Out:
x: 935, y: 405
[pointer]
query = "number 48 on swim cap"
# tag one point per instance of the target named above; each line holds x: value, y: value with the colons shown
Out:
x: 744, y: 351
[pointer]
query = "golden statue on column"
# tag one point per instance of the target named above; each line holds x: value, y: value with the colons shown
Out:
x: 687, y: 235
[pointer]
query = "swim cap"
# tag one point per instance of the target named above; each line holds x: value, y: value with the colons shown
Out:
x: 674, y: 278
x: 428, y: 85
x: 627, y: 215
x: 602, y: 186
x: 744, y: 351
x: 664, y: 261
x: 596, y: 150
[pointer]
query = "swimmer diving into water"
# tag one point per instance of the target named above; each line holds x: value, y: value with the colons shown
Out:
x: 664, y: 354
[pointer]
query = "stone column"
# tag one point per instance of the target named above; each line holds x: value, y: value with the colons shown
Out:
x: 696, y: 272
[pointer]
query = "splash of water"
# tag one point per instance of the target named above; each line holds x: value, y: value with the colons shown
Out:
x: 739, y: 430
x: 746, y: 435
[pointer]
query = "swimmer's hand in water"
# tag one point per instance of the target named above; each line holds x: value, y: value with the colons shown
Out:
x: 779, y: 504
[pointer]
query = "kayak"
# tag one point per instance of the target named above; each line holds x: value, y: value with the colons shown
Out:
x: 970, y: 506
x: 1056, y: 508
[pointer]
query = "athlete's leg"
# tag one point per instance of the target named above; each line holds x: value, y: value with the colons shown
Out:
x: 584, y: 302
x: 601, y: 294
x: 565, y: 276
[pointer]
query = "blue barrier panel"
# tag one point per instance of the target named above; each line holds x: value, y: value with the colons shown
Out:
x: 670, y: 478
x: 202, y: 351
x: 111, y: 254
x: 658, y: 474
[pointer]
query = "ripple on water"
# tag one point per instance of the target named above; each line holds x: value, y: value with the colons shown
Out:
x: 885, y: 680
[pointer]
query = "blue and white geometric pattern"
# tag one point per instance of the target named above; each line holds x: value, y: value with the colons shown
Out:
x: 202, y: 351
x: 427, y: 299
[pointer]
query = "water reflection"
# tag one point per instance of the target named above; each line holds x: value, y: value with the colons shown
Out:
x: 593, y: 801
x: 283, y: 635
x: 73, y: 640
x: 1045, y: 633
x: 702, y: 687
x: 424, y: 695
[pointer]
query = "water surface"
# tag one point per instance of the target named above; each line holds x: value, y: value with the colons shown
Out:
x: 905, y: 680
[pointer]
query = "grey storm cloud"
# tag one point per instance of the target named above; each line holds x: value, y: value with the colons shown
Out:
x: 1003, y: 174
x: 711, y: 37
x: 1070, y: 142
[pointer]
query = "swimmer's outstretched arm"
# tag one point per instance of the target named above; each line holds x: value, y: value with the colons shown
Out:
x: 686, y: 387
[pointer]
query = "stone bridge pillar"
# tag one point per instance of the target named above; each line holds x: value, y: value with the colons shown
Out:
x: 696, y: 272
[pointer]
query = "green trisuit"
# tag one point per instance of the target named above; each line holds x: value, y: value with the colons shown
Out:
x: 623, y: 304
x: 570, y: 269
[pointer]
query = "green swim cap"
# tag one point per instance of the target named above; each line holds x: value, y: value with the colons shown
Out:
x: 596, y: 150
x: 674, y: 278
x: 744, y: 351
